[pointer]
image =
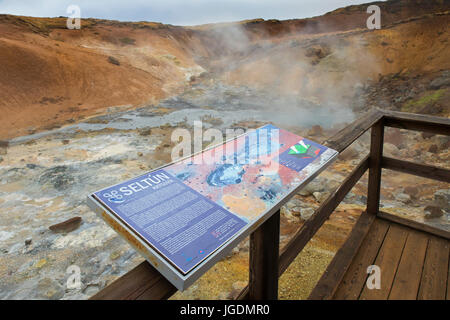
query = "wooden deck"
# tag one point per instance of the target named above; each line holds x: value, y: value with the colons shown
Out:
x: 414, y: 264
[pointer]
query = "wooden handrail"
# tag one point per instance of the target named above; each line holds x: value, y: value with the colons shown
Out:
x: 144, y: 282
x: 290, y: 251
x: 341, y: 140
x: 417, y: 169
x: 417, y: 122
x: 376, y: 120
x: 141, y: 283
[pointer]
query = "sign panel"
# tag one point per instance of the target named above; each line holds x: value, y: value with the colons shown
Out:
x: 189, y: 212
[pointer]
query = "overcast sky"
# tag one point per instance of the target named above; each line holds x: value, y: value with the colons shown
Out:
x: 177, y: 12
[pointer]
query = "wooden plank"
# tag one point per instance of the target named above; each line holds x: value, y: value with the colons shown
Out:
x: 328, y: 283
x: 264, y: 255
x: 435, y: 271
x: 387, y: 259
x: 310, y: 227
x: 415, y: 225
x: 418, y: 122
x: 161, y: 290
x: 417, y: 169
x: 376, y: 153
x: 409, y: 272
x: 142, y: 282
x: 349, y: 134
x: 355, y: 278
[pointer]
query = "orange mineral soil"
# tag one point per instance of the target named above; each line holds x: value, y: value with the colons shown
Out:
x: 51, y: 76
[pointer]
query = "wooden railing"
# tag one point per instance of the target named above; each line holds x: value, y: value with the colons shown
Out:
x: 267, y: 262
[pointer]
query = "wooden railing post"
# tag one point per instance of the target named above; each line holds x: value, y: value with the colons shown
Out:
x: 264, y: 256
x: 375, y: 162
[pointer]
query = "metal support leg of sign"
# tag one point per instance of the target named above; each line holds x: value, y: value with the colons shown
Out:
x: 264, y: 254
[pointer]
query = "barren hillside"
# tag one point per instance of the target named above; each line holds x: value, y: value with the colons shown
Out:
x: 51, y: 76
